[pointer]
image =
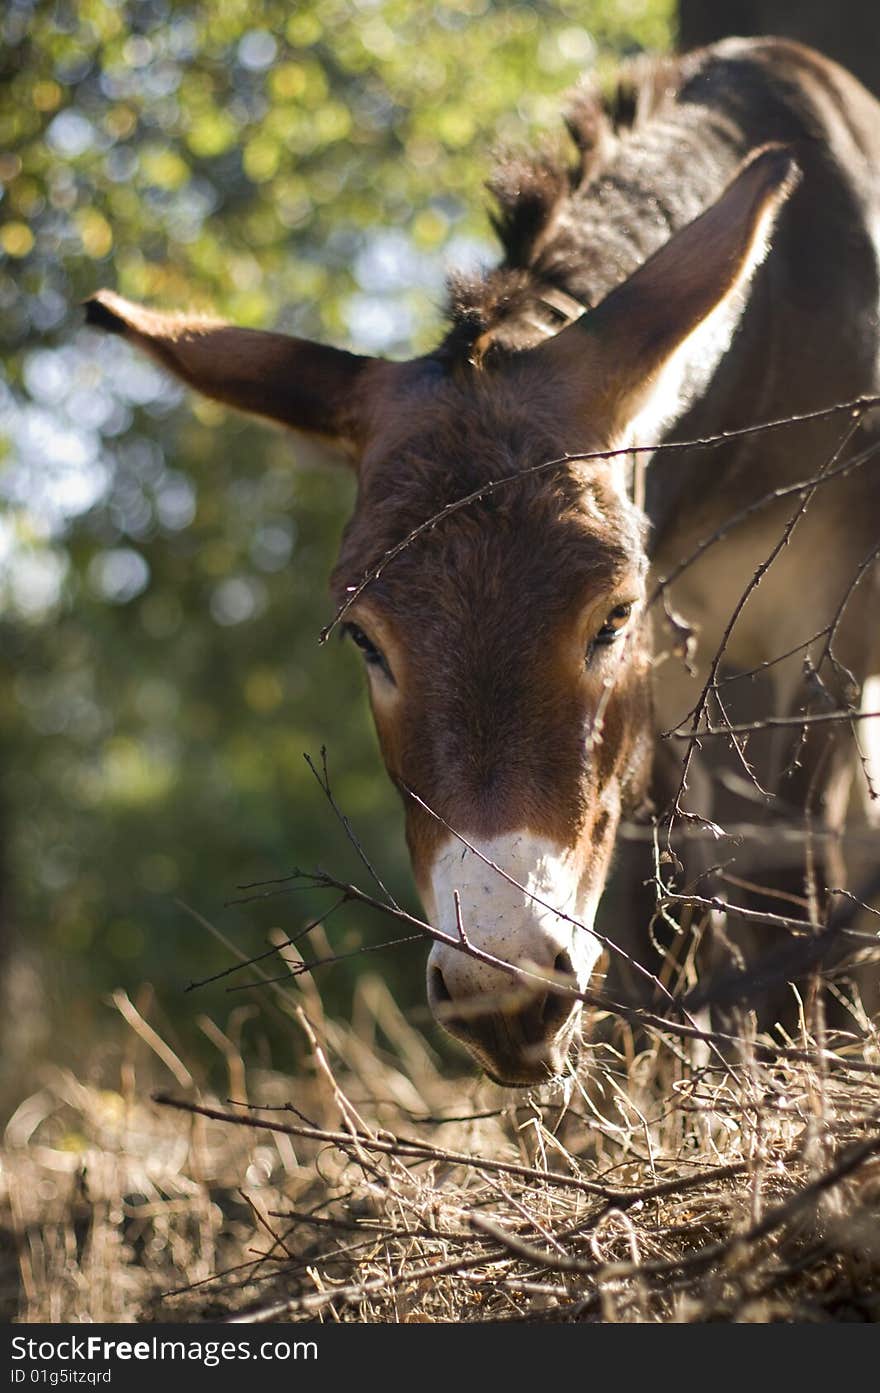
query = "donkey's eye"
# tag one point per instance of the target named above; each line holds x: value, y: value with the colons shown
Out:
x: 614, y: 625
x: 372, y: 655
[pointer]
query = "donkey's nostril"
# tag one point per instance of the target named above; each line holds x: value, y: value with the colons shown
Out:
x: 563, y: 965
x: 557, y: 1007
x: 458, y: 1017
x: 437, y: 989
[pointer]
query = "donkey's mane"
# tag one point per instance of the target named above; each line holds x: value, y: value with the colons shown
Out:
x: 532, y: 192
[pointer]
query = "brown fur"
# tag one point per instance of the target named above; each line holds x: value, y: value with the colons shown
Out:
x: 496, y: 715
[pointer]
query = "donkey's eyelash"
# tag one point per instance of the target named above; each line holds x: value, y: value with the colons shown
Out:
x: 615, y: 624
x: 614, y: 628
x: 372, y: 655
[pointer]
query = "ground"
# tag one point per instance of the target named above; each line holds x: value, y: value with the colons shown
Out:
x: 374, y: 1187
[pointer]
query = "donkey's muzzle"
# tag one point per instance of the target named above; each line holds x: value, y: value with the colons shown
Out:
x: 516, y: 1027
x: 517, y: 938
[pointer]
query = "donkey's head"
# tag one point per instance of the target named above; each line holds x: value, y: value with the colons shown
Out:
x: 505, y: 647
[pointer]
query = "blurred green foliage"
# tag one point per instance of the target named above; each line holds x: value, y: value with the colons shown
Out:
x: 314, y: 167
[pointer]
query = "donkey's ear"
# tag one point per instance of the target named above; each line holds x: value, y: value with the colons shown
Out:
x: 314, y: 389
x: 626, y: 342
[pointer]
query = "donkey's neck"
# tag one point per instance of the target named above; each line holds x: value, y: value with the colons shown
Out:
x: 658, y: 180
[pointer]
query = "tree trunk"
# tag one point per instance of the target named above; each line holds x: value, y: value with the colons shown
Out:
x: 848, y: 30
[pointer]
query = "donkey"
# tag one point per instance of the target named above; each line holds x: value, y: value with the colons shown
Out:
x: 709, y: 260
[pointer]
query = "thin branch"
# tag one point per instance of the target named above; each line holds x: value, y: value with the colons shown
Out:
x: 324, y: 782
x: 769, y: 723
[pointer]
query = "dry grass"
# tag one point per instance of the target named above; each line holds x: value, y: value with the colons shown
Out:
x: 659, y: 1184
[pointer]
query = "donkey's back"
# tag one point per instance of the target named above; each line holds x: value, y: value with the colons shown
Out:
x: 809, y: 336
x: 785, y: 587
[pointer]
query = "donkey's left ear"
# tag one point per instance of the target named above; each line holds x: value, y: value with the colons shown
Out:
x: 318, y: 390
x: 619, y: 350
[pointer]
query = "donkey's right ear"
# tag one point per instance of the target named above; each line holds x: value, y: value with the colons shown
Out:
x: 321, y: 391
